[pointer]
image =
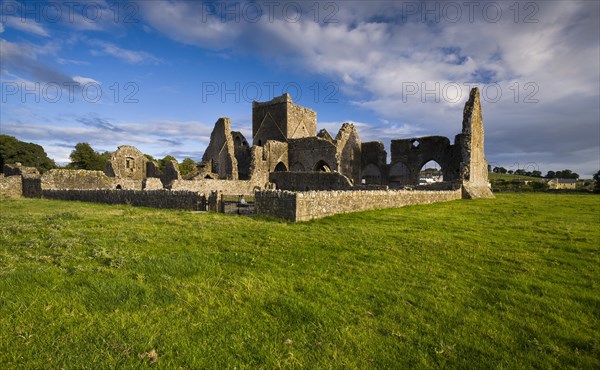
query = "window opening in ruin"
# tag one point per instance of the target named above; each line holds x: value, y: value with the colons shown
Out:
x: 415, y: 144
x: 430, y: 173
x: 280, y: 167
x: 129, y: 163
x: 119, y: 187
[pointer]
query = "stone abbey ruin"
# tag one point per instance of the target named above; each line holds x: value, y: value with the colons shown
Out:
x: 291, y: 170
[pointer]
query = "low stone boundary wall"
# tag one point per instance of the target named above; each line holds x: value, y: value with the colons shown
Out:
x: 304, y: 206
x: 152, y: 198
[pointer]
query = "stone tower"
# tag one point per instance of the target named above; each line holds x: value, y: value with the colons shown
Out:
x: 280, y: 119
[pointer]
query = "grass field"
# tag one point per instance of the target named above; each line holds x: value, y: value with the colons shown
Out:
x: 505, y: 283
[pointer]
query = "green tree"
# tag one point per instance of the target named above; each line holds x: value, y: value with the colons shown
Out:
x: 597, y: 180
x: 186, y: 166
x: 536, y: 174
x: 13, y: 150
x: 551, y: 175
x: 84, y: 157
x: 520, y: 172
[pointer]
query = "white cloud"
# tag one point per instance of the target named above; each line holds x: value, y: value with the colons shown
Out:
x: 26, y: 25
x: 372, y: 53
x: 128, y: 56
x: 85, y: 80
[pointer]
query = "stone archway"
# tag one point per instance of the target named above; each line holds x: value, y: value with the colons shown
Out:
x: 371, y: 175
x: 322, y: 166
x: 280, y: 167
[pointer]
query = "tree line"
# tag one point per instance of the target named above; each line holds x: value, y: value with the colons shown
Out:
x: 564, y: 174
x: 83, y: 157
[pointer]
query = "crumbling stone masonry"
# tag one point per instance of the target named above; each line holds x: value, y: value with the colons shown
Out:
x: 10, y: 186
x: 289, y: 154
x: 127, y: 162
x: 220, y: 152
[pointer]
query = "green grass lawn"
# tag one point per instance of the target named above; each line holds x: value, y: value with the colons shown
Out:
x: 506, y: 283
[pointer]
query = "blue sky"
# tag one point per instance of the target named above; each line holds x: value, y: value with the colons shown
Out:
x: 157, y: 75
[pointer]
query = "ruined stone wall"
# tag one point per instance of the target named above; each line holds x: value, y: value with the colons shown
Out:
x: 474, y: 167
x: 221, y: 151
x: 374, y: 163
x: 32, y: 186
x: 205, y: 186
x: 17, y: 169
x: 348, y: 152
x: 76, y: 179
x: 304, y: 154
x: 152, y: 183
x: 259, y: 170
x: 154, y: 199
x: 242, y: 154
x: 128, y: 184
x: 409, y: 156
x: 304, y: 206
x: 276, y: 155
x: 127, y: 162
x: 170, y: 173
x: 303, y: 181
x: 10, y: 186
x: 152, y: 169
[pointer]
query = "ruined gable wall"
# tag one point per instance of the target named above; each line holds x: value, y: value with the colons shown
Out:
x: 301, y: 121
x: 127, y: 162
x: 348, y: 152
x: 221, y: 151
x: 269, y: 120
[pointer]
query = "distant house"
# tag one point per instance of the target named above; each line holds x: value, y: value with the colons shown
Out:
x: 560, y: 184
